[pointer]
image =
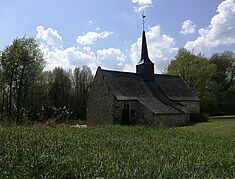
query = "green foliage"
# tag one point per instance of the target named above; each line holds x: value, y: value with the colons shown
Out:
x: 224, y: 81
x: 28, y: 93
x: 82, y: 80
x: 1, y: 93
x: 198, y: 117
x: 117, y: 152
x: 21, y: 63
x: 228, y: 101
x: 225, y: 73
x: 196, y: 70
x: 212, y: 79
x: 209, y: 105
x: 60, y: 87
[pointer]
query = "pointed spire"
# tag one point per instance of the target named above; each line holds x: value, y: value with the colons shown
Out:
x: 145, y: 67
x: 144, y: 51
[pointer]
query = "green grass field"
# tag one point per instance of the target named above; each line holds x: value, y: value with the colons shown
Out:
x: 205, y: 150
x: 218, y: 127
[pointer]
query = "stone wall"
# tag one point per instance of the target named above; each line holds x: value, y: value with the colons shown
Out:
x: 170, y: 120
x: 118, y: 107
x: 139, y: 114
x: 104, y: 108
x: 100, y: 102
x: 145, y: 117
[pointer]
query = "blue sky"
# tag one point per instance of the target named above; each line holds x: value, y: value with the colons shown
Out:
x: 107, y: 33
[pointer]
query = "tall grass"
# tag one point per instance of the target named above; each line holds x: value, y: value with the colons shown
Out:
x: 115, y: 152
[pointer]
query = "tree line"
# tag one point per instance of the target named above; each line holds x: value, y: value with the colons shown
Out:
x: 212, y: 79
x: 28, y: 93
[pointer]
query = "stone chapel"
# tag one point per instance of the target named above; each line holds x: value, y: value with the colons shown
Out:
x: 141, y: 98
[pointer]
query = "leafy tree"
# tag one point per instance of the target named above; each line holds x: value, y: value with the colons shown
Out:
x: 195, y: 69
x: 86, y: 78
x: 8, y: 64
x: 225, y: 73
x: 77, y: 74
x: 60, y: 87
x: 224, y: 78
x: 22, y: 63
x: 228, y: 101
x: 41, y: 99
x: 1, y: 93
x: 26, y: 92
x: 209, y: 105
x: 82, y: 79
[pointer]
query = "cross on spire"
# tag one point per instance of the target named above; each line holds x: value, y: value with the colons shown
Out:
x: 145, y: 67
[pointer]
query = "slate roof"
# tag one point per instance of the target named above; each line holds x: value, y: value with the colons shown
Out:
x: 157, y: 96
x: 174, y: 87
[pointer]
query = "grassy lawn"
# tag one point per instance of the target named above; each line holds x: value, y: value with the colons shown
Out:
x: 216, y: 126
x: 198, y: 151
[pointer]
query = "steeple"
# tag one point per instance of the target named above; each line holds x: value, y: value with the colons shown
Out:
x: 145, y: 67
x: 144, y: 51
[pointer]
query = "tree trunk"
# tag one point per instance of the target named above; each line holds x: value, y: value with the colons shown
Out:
x: 19, y: 94
x: 76, y: 102
x: 3, y: 105
x: 10, y: 101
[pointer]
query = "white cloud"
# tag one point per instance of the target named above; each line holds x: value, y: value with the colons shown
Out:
x: 71, y: 57
x: 78, y: 57
x: 188, y: 27
x: 90, y: 37
x: 161, y: 49
x: 90, y: 21
x: 129, y: 68
x: 221, y: 30
x: 142, y: 4
x: 50, y: 37
x: 67, y: 58
x: 57, y: 58
x: 111, y: 57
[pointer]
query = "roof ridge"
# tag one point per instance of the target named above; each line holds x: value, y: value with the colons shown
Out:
x: 119, y: 72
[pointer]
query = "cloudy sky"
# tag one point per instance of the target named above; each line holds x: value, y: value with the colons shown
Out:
x: 107, y: 33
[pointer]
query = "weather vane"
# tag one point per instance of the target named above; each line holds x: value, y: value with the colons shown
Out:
x: 143, y: 17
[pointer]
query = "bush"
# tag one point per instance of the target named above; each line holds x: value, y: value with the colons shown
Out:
x: 228, y: 102
x: 198, y: 117
x: 209, y: 105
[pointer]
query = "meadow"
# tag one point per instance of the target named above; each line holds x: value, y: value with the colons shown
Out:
x: 205, y: 150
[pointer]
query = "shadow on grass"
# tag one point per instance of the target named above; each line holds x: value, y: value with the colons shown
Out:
x: 195, y: 123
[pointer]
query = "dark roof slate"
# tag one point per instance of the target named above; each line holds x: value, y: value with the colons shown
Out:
x: 144, y: 51
x: 155, y: 96
x: 174, y: 87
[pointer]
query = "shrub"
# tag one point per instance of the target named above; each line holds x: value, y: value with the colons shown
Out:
x: 209, y: 105
x: 198, y: 117
x: 228, y: 102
